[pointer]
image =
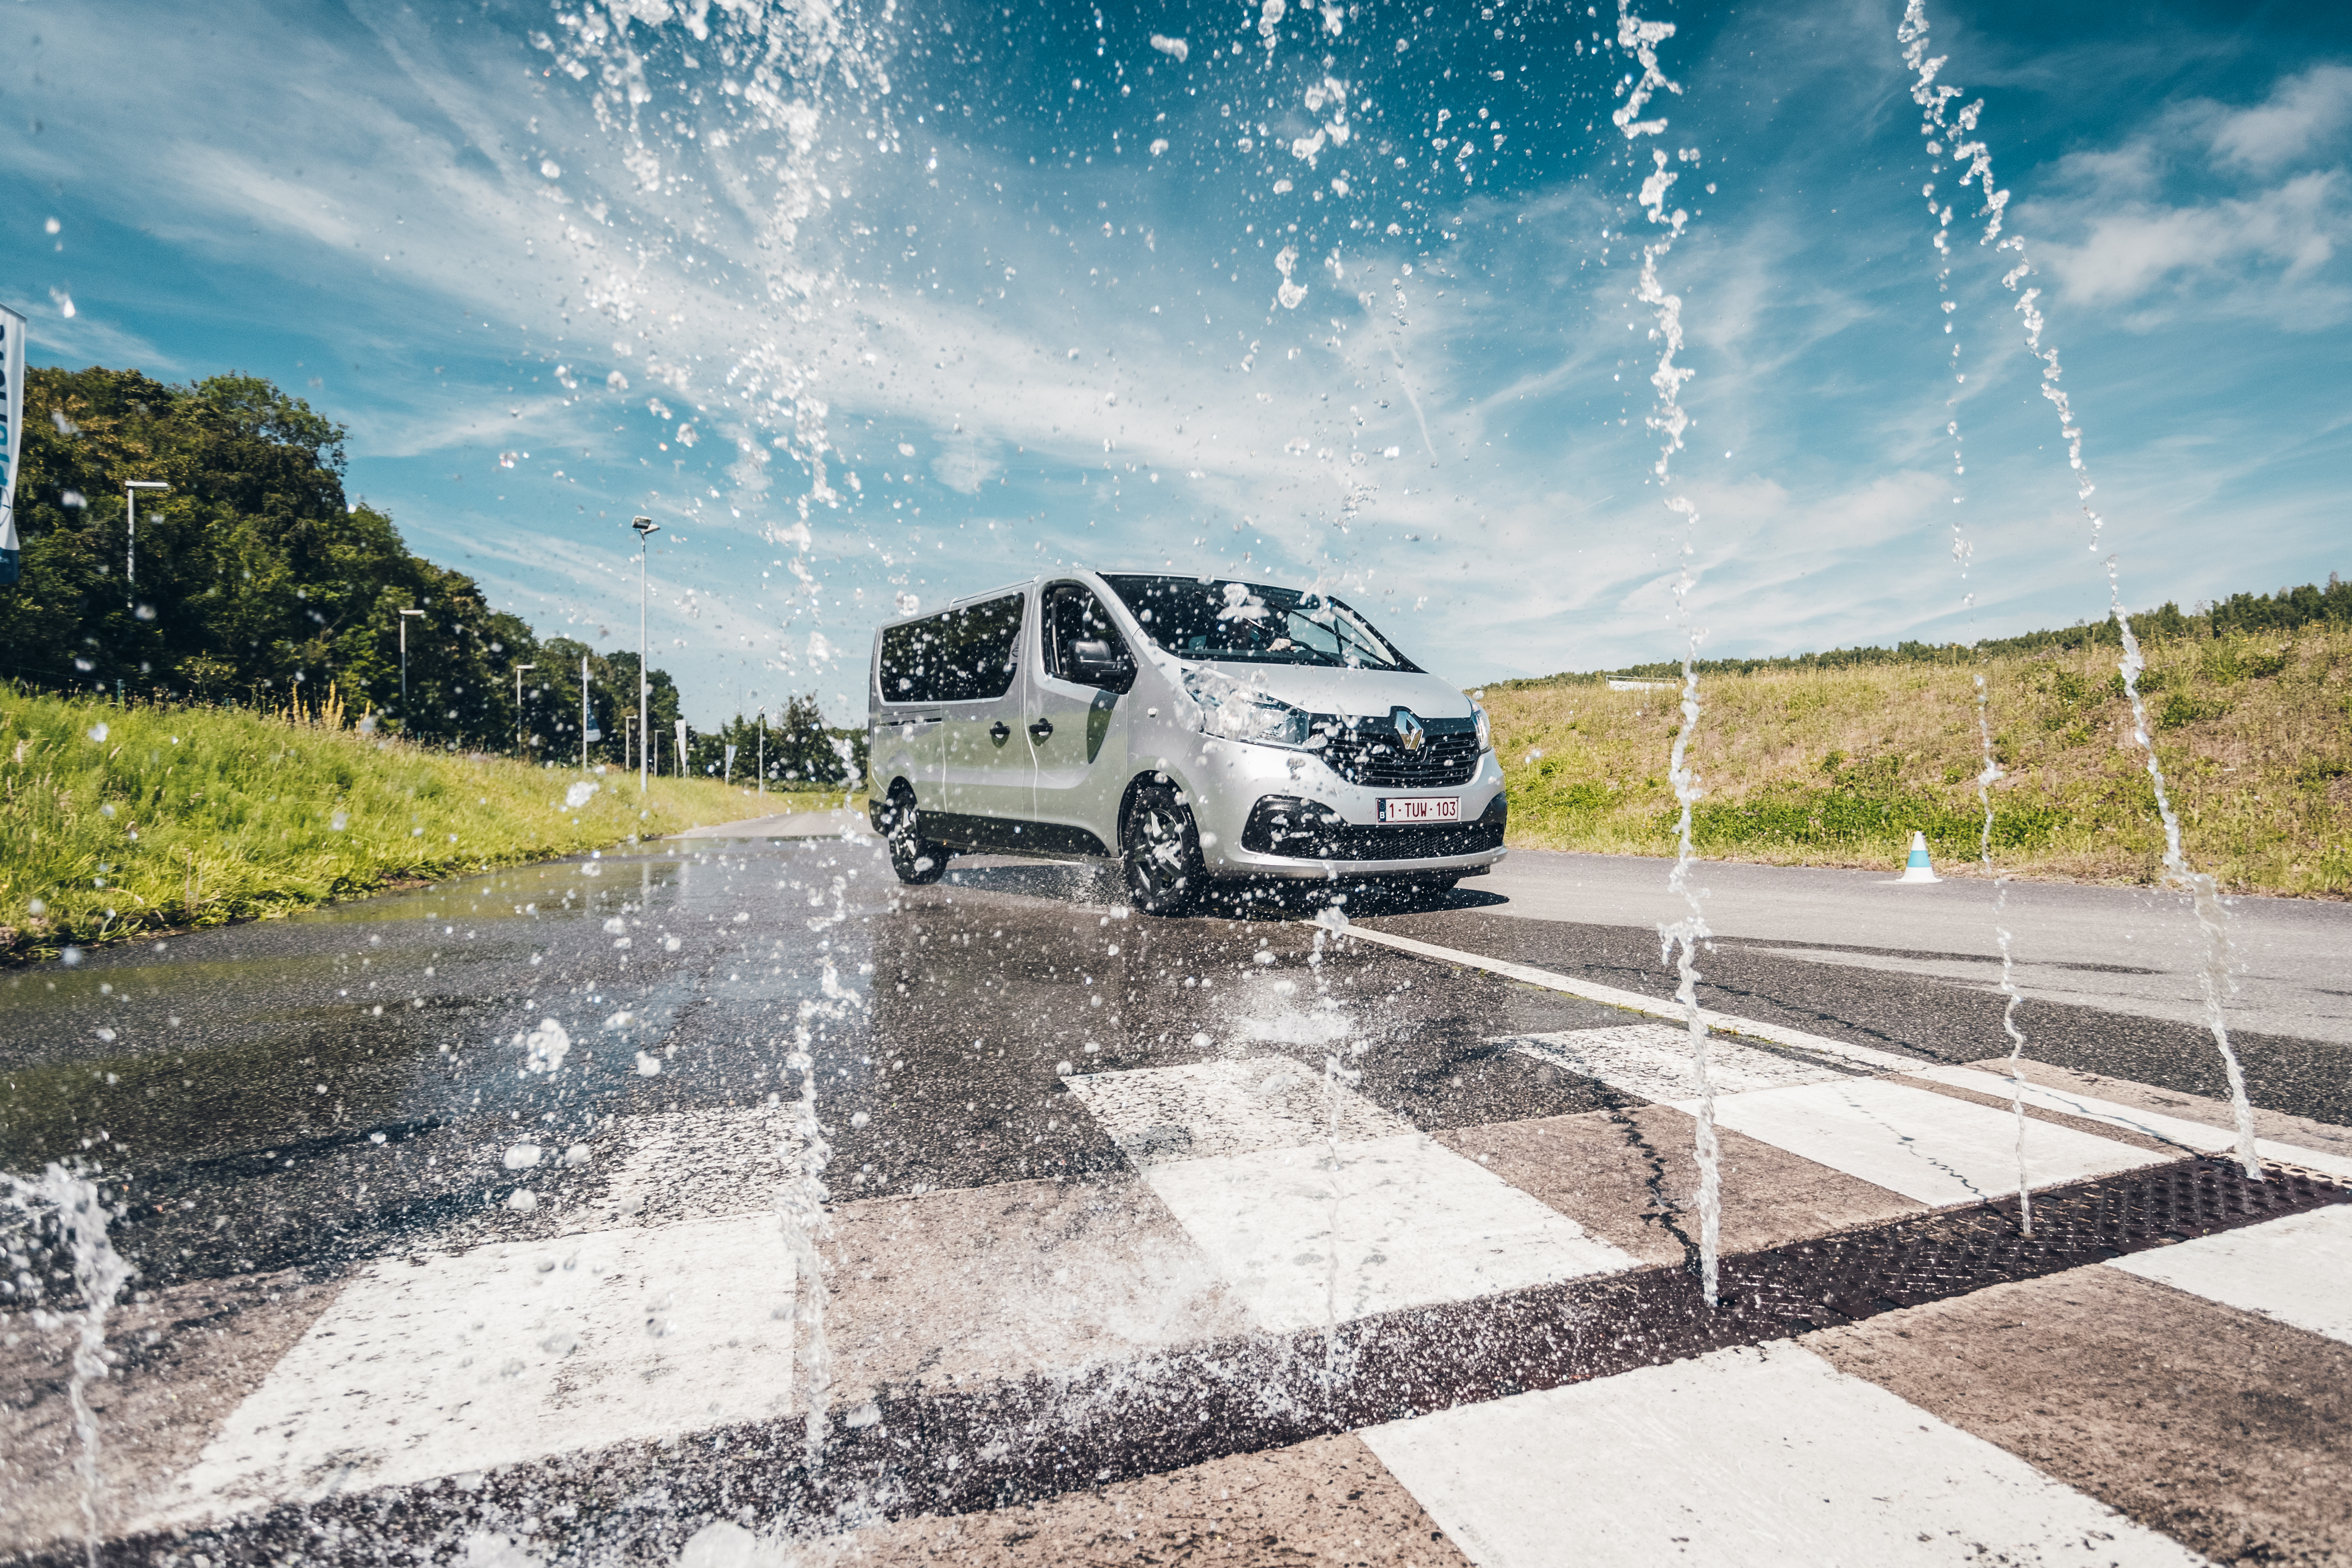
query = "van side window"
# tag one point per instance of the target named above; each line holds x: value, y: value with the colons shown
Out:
x: 1082, y: 646
x: 911, y: 662
x: 978, y: 650
x: 958, y: 656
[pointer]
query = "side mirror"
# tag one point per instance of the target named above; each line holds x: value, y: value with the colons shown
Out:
x: 1096, y: 662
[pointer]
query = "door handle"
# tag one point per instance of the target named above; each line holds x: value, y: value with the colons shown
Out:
x: 1041, y: 730
x: 998, y: 733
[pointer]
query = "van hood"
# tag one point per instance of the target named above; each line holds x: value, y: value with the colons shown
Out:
x: 1350, y: 694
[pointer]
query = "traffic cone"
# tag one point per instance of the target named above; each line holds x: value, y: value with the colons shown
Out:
x: 1918, y: 870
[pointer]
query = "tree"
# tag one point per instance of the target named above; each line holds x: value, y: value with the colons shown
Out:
x: 621, y: 682
x: 258, y: 579
x: 801, y: 752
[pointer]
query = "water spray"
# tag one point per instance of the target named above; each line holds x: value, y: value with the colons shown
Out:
x: 2214, y: 974
x: 1679, y: 940
x: 1936, y: 130
x: 77, y: 1209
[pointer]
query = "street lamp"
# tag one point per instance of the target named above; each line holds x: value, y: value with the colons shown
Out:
x: 404, y: 663
x: 519, y: 670
x: 647, y: 527
x: 131, y: 489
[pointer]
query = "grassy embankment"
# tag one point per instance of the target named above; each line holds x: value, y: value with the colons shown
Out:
x: 1837, y: 767
x: 115, y: 821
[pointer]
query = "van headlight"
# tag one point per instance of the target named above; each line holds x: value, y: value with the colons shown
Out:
x: 1485, y: 727
x: 1235, y: 712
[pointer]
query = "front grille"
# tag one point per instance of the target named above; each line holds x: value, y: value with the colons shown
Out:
x: 1302, y: 830
x: 1376, y: 757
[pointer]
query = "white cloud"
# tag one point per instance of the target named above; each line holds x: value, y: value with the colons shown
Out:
x: 2303, y: 114
x: 2283, y: 237
x: 2209, y: 211
x: 962, y: 466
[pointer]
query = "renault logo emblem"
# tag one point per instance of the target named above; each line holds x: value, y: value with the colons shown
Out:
x: 1409, y: 728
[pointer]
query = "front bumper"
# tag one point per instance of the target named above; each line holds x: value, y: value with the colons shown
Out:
x: 1271, y: 812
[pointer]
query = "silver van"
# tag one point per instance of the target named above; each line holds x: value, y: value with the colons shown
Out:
x: 1194, y: 729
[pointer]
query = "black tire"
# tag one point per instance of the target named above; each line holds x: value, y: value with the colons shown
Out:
x: 918, y: 860
x: 1159, y: 852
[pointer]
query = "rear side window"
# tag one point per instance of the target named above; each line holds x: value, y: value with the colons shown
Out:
x: 911, y: 662
x: 960, y: 655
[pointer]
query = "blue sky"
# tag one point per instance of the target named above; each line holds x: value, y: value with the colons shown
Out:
x: 915, y: 299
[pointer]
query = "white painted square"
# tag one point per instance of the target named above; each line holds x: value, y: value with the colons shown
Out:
x: 511, y: 1350
x: 1225, y: 1106
x: 1654, y: 1061
x: 1927, y: 1146
x: 1755, y: 1456
x: 2297, y: 1269
x: 1402, y: 1222
x: 2190, y: 1135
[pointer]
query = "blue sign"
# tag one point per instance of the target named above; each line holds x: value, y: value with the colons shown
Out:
x: 12, y: 433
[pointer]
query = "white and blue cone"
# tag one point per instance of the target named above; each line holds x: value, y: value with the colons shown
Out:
x: 1918, y: 870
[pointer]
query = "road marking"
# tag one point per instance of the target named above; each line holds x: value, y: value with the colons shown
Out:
x: 1929, y: 1147
x: 1416, y: 1225
x: 2297, y: 1271
x: 2196, y: 1135
x: 1654, y: 1061
x: 1225, y: 1106
x: 509, y: 1351
x: 1758, y: 1456
x: 1861, y: 1056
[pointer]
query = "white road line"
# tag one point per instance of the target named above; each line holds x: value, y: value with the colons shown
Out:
x: 1654, y: 1061
x: 2197, y: 1136
x: 2297, y: 1269
x: 1410, y: 1223
x: 1225, y: 1106
x: 509, y: 1351
x: 1861, y: 1056
x: 1749, y: 1457
x: 1929, y: 1147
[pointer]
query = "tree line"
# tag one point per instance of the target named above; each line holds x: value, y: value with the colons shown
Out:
x: 2287, y: 610
x: 253, y: 580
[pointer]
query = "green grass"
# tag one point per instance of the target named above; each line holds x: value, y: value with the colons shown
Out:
x: 115, y: 821
x: 1840, y: 766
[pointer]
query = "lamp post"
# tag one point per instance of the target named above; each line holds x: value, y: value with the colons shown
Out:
x: 404, y: 663
x: 519, y: 670
x: 131, y: 489
x: 647, y: 527
x: 583, y: 712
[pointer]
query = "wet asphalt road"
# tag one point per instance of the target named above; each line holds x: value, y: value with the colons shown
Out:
x: 311, y: 1091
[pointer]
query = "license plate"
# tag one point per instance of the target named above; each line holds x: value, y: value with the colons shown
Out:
x: 1441, y: 808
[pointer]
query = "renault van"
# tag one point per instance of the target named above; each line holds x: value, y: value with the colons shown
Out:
x: 1196, y: 730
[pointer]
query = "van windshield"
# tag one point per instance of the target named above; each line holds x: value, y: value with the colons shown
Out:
x: 1254, y: 623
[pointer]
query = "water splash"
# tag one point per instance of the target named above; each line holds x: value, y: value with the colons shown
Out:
x: 1679, y: 940
x: 2213, y: 976
x: 76, y: 1208
x: 800, y: 1207
x: 1334, y: 1077
x: 788, y: 83
x: 2214, y: 973
x: 1989, y: 775
x: 1935, y: 129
